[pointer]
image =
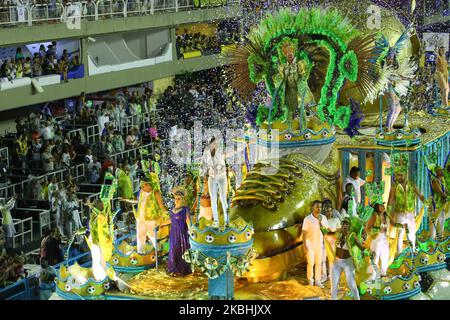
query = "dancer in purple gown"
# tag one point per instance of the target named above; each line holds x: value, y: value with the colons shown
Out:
x: 179, y: 236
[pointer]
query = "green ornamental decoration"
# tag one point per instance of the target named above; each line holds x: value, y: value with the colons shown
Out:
x: 215, y: 267
x: 300, y: 35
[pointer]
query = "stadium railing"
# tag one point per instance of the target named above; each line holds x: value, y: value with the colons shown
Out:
x: 14, y: 15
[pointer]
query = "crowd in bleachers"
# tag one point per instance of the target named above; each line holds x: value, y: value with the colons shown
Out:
x: 207, y: 44
x: 45, y: 62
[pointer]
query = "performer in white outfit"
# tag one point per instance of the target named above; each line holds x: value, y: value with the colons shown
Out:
x: 343, y: 261
x: 377, y: 227
x: 335, y: 225
x: 214, y: 168
x: 356, y: 181
x: 7, y: 221
x: 313, y: 243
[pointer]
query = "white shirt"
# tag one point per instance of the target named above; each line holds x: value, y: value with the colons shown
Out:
x: 334, y: 223
x: 47, y: 133
x: 357, y: 184
x: 314, y: 240
x: 214, y: 166
x: 102, y: 120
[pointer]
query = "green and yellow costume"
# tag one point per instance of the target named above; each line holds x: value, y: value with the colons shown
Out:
x: 152, y: 210
x: 125, y: 185
x: 405, y: 200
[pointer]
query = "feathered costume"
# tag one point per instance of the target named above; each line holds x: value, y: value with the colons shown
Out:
x: 393, y: 79
x: 303, y: 57
x: 101, y: 227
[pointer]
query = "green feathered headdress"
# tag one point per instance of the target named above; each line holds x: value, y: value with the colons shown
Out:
x: 400, y: 161
x: 325, y: 42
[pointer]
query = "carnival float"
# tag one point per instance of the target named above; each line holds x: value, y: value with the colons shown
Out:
x: 321, y: 73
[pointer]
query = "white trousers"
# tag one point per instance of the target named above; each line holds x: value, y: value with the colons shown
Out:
x: 218, y: 185
x: 98, y: 263
x: 439, y: 225
x: 314, y: 258
x: 410, y: 220
x: 380, y: 248
x: 76, y: 220
x: 145, y: 229
x: 348, y: 267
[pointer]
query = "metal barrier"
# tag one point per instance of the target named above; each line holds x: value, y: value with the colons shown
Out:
x: 102, y: 9
x: 77, y: 171
x: 47, y: 12
x: 134, y: 121
x: 93, y: 134
x: 44, y: 218
x: 14, y: 15
x: 132, y: 153
x: 72, y: 133
x: 21, y: 290
x: 20, y: 225
x: 24, y: 289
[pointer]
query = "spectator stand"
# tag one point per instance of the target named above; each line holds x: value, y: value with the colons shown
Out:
x: 29, y: 212
x: 129, y: 154
x: 35, y: 14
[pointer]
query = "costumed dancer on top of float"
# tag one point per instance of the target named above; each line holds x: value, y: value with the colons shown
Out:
x: 394, y: 77
x: 215, y: 172
x: 151, y: 209
x: 98, y: 226
x: 441, y: 76
x: 101, y: 228
x: 179, y: 234
x: 440, y: 196
x: 377, y: 231
x: 293, y: 75
x: 402, y: 206
x: 343, y: 260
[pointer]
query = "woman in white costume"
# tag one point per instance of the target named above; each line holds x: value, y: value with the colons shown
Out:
x: 377, y: 227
